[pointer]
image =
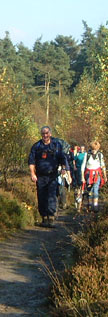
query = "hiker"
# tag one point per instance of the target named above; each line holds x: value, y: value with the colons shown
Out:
x: 78, y: 190
x: 78, y: 160
x: 71, y: 160
x: 94, y: 173
x: 64, y: 182
x: 44, y: 158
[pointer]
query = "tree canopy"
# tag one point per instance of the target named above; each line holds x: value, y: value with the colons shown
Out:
x: 62, y: 83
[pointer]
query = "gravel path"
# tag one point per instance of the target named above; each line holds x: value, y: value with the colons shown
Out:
x: 24, y: 285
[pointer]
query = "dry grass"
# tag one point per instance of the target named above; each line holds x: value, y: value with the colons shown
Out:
x: 20, y: 193
x: 82, y: 290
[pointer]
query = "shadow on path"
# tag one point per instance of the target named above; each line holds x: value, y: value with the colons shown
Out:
x: 24, y: 284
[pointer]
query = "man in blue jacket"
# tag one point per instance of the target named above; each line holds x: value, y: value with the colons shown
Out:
x: 44, y: 158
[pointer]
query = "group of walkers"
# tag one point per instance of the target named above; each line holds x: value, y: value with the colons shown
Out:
x: 88, y: 173
x: 52, y: 169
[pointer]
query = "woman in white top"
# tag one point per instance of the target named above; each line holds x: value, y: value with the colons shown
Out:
x: 93, y: 170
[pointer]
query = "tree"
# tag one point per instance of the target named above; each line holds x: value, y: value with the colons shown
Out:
x: 71, y: 48
x: 89, y: 109
x: 69, y: 45
x: 101, y: 65
x: 7, y: 51
x: 92, y: 45
x: 51, y: 66
x: 86, y: 58
x: 23, y: 66
x: 15, y: 123
x: 43, y: 69
x: 63, y: 74
x: 18, y: 60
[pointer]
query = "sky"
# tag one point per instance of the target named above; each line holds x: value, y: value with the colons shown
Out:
x: 28, y: 20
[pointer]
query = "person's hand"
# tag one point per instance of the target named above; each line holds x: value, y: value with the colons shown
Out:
x: 63, y: 171
x: 70, y: 179
x: 34, y: 178
x: 105, y: 179
x: 83, y: 179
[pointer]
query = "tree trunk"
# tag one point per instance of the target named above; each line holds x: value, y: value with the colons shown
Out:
x: 47, y: 85
x: 60, y: 89
x: 5, y: 178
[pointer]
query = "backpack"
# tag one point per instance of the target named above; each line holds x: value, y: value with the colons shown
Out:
x: 89, y: 154
x: 65, y: 145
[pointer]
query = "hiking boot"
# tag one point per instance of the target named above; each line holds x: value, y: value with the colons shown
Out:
x: 64, y: 206
x: 44, y: 222
x: 89, y: 208
x: 95, y: 209
x: 79, y: 208
x: 56, y: 215
x: 51, y: 223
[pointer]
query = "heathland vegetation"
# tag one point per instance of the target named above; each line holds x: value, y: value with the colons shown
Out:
x: 63, y: 84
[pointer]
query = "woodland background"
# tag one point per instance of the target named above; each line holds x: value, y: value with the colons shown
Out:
x: 63, y: 84
x: 60, y: 83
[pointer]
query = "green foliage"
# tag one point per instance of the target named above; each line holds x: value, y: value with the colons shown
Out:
x: 18, y: 60
x: 23, y: 66
x: 88, y: 110
x: 12, y: 215
x: 34, y: 87
x: 18, y: 205
x: 24, y: 190
x: 31, y: 84
x: 82, y: 290
x: 16, y: 124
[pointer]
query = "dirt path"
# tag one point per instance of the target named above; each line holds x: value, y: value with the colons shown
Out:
x: 23, y: 282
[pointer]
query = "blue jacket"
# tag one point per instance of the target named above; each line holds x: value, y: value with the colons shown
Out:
x: 47, y: 158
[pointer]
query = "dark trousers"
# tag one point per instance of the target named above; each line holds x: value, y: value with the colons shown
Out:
x: 62, y: 194
x: 78, y: 176
x: 46, y: 194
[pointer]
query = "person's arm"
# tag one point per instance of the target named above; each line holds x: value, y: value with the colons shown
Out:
x: 74, y: 165
x: 103, y: 168
x: 104, y: 173
x: 69, y: 177
x: 83, y: 168
x: 66, y: 169
x: 32, y: 163
x: 33, y: 173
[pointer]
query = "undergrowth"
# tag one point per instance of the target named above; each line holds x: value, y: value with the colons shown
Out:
x: 18, y: 204
x: 83, y: 289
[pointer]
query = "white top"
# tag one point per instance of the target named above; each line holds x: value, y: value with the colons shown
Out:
x: 92, y: 163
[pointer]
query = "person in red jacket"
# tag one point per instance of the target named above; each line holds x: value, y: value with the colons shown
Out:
x: 94, y: 173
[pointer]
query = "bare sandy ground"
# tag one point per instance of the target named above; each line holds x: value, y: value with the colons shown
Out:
x: 24, y: 285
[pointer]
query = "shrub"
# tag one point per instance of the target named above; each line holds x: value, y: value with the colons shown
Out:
x: 12, y: 215
x: 83, y: 289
